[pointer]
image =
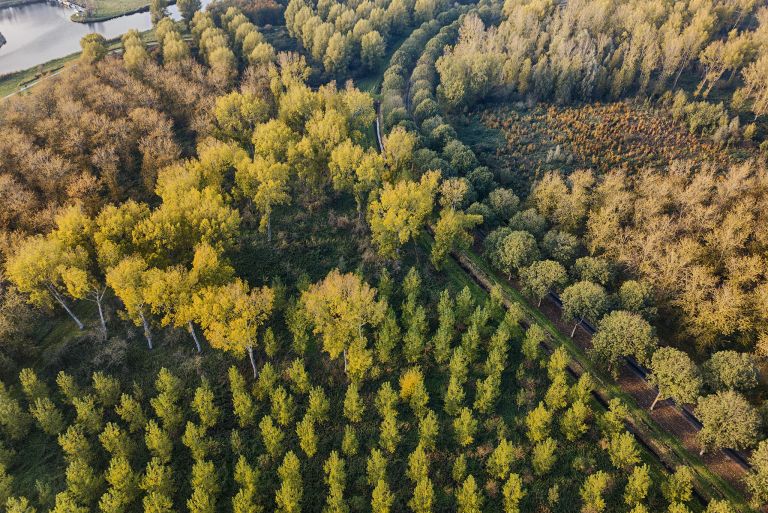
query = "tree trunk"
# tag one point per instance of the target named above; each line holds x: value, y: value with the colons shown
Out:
x: 98, y: 297
x: 540, y: 300
x: 60, y: 300
x: 269, y: 229
x: 191, y: 328
x: 253, y: 361
x: 147, y: 332
x: 703, y: 450
x: 573, y: 331
x: 655, y: 401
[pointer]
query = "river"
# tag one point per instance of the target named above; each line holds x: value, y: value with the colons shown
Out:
x: 38, y: 33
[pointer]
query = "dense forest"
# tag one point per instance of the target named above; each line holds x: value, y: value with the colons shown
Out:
x: 235, y: 273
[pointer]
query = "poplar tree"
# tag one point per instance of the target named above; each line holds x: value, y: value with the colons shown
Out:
x: 469, y: 498
x: 204, y: 406
x: 465, y: 427
x: 242, y: 402
x: 353, y: 404
x: 513, y: 493
x: 381, y: 498
x: 289, y: 496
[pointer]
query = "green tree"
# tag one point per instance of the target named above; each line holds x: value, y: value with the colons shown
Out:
x: 623, y: 450
x: 679, y: 486
x: 499, y: 461
x: 305, y: 429
x: 465, y: 427
x: 49, y: 418
x: 167, y: 401
x: 389, y: 432
x: 728, y: 421
x: 541, y: 277
x: 730, y: 370
x: 289, y: 496
x: 376, y: 467
x: 517, y: 251
x: 623, y: 334
x: 204, y: 406
x: 583, y: 300
x: 242, y: 401
x: 247, y: 498
x: 469, y: 498
x: 283, y: 406
x: 381, y: 498
x: 205, y: 488
x: 349, y: 443
x: 272, y: 436
x: 335, y: 477
x: 638, y: 485
x: 675, y: 376
x: 94, y: 48
x: 544, y: 456
x: 513, y: 493
x: 757, y: 480
x: 353, y: 404
x: 592, y: 492
x: 187, y: 8
x: 158, y: 442
x: 372, y: 49
x: 538, y: 422
x: 573, y: 423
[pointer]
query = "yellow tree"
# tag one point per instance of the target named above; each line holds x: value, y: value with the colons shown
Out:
x: 171, y: 291
x: 340, y: 307
x: 400, y: 212
x: 130, y: 281
x: 265, y: 183
x: 452, y: 230
x: 231, y: 316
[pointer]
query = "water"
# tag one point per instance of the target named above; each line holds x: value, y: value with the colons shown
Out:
x: 38, y: 33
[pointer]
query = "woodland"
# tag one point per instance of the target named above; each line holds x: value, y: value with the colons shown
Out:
x: 293, y: 257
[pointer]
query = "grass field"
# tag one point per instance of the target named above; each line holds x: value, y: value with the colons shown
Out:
x: 107, y: 9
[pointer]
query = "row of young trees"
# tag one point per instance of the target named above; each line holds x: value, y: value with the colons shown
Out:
x: 276, y: 446
x: 590, y: 51
x: 344, y: 36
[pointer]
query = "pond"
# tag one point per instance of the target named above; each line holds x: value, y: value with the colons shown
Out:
x: 38, y: 33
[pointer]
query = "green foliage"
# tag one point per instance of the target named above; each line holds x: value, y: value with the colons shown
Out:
x: 544, y: 456
x: 204, y: 406
x: 289, y: 496
x: 465, y: 427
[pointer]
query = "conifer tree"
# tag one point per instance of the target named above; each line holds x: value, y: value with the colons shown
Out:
x: 454, y: 397
x: 205, y: 488
x: 83, y: 483
x: 283, y: 406
x: 376, y: 467
x: 465, y: 427
x: 418, y: 465
x: 49, y: 418
x: 423, y: 497
x: 389, y: 434
x: 353, y: 404
x: 88, y: 414
x: 500, y: 460
x: 123, y: 487
x: 513, y: 493
x: 204, y: 406
x: 13, y: 418
x: 106, y: 388
x: 469, y: 498
x: 247, y: 498
x: 158, y: 442
x: 289, y: 496
x: 131, y: 412
x: 195, y: 439
x: 74, y: 444
x: 68, y: 386
x: 168, y: 400
x: 297, y: 375
x: 544, y: 457
x: 386, y: 399
x: 381, y: 498
x: 272, y: 436
x: 459, y: 468
x: 487, y: 392
x: 573, y: 423
x: 318, y: 405
x: 387, y: 337
x: 158, y: 479
x: 429, y: 428
x: 335, y: 477
x: 116, y: 441
x: 242, y: 402
x: 623, y: 451
x: 305, y: 429
x: 349, y: 443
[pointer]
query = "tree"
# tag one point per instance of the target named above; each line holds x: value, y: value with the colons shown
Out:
x: 452, y: 231
x: 675, y: 375
x: 465, y: 427
x: 231, y: 316
x: 349, y: 443
x: 400, y: 211
x: 757, y: 480
x: 289, y: 496
x: 305, y: 430
x: 499, y: 461
x: 158, y: 10
x: 283, y: 406
x: 340, y: 307
x: 203, y: 404
x: 423, y: 497
x: 187, y: 8
x: 541, y: 277
x: 242, y: 401
x: 583, y: 300
x: 389, y: 433
x: 623, y: 450
x: 265, y: 183
x: 41, y: 267
x: 158, y: 442
x: 469, y: 498
x: 678, y: 488
x: 48, y: 416
x: 247, y: 497
x: 94, y: 48
x: 272, y: 436
x: 337, y: 54
x: 199, y: 445
x: 376, y: 467
x: 730, y: 370
x: 638, y: 485
x: 728, y: 421
x: 129, y: 280
x: 623, y: 334
x: 538, y: 422
x: 372, y: 49
x: 205, y: 488
x: 381, y: 498
x: 544, y: 456
x: 513, y: 493
x: 167, y: 402
x: 517, y: 251
x: 574, y: 421
x: 592, y: 492
x: 116, y: 441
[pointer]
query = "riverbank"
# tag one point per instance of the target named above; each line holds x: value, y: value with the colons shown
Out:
x: 110, y: 9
